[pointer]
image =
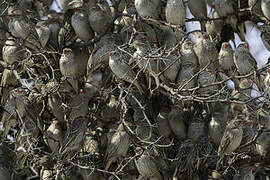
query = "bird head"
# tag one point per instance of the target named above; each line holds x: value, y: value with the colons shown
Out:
x: 243, y: 46
x: 68, y: 52
x: 111, y: 53
x: 205, y: 36
x: 225, y: 45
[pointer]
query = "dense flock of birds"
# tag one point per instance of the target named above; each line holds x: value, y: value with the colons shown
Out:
x: 116, y: 89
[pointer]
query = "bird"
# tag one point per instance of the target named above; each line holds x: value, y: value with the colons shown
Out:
x: 245, y: 173
x: 69, y: 68
x: 226, y: 59
x: 74, y: 136
x: 229, y: 9
x: 214, y: 28
x: 255, y: 6
x: 143, y: 56
x: 8, y: 83
x: 23, y: 28
x: 163, y: 123
x: 64, y: 5
x: 117, y: 146
x: 216, y: 128
x: 231, y: 139
x: 265, y: 35
x: 267, y: 82
x: 170, y: 66
x: 78, y: 105
x: 146, y: 8
x: 243, y: 59
x: 80, y: 24
x: 206, y: 78
x: 245, y: 62
x: 265, y: 6
x: 43, y: 32
x: 188, y: 56
x: 100, y: 55
x: 147, y: 164
x: 196, y: 129
x: 122, y: 70
x: 99, y: 20
x: 12, y: 52
x: 54, y: 23
x: 199, y: 11
x: 54, y: 136
x: 205, y: 50
x: 263, y: 144
x: 185, y: 79
x: 176, y: 122
x: 129, y: 9
x: 175, y: 12
x: 248, y: 135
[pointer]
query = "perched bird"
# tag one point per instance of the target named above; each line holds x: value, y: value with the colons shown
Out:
x: 12, y: 52
x: 43, y: 32
x: 46, y: 174
x: 265, y: 35
x: 196, y: 129
x: 265, y: 6
x: 64, y: 5
x: 206, y: 78
x: 147, y: 164
x: 175, y: 12
x: 81, y: 25
x: 170, y: 66
x: 188, y: 56
x: 245, y: 62
x: 245, y: 173
x: 243, y: 94
x: 99, y: 20
x: 122, y: 70
x: 4, y: 173
x: 176, y: 122
x: 226, y: 59
x: 255, y: 6
x: 69, y: 68
x: 146, y: 8
x: 167, y: 36
x: 129, y: 9
x: 267, y: 82
x: 117, y: 146
x: 214, y: 28
x: 229, y: 9
x: 199, y: 11
x: 263, y: 144
x: 231, y: 139
x: 110, y: 111
x: 205, y: 50
x: 78, y: 105
x: 163, y: 123
x: 23, y: 28
x: 185, y: 79
x: 54, y: 136
x: 54, y: 101
x: 216, y: 128
x: 74, y: 136
x: 13, y: 107
x: 100, y: 55
x: 8, y: 83
x: 54, y: 23
x: 144, y: 56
